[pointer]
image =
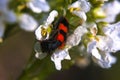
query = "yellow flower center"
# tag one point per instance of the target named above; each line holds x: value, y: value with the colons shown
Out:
x: 74, y: 9
x: 43, y: 32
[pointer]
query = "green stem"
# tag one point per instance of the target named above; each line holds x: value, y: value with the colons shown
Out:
x: 36, y: 68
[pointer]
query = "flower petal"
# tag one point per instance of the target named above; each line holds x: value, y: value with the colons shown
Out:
x: 91, y: 46
x: 112, y: 10
x: 38, y: 6
x: 80, y: 14
x: 96, y: 53
x: 75, y: 5
x: 51, y: 17
x: 75, y: 38
x: 104, y: 43
x: 85, y: 5
x: 107, y: 61
x: 27, y: 22
x: 68, y: 57
x: 113, y: 31
x: 80, y: 30
x: 10, y: 16
x: 58, y: 56
x: 58, y: 64
x: 38, y: 33
x: 111, y: 59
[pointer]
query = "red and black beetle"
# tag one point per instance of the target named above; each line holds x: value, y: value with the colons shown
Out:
x: 58, y: 38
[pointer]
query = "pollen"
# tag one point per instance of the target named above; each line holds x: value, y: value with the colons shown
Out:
x: 74, y: 9
x: 44, y: 32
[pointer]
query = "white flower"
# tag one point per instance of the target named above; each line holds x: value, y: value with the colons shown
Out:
x: 75, y: 38
x: 9, y: 16
x: 112, y: 10
x: 79, y: 8
x: 46, y: 25
x: 101, y: 47
x: 101, y: 57
x: 38, y: 6
x: 58, y: 56
x: 27, y: 22
x: 39, y: 32
x: 113, y: 31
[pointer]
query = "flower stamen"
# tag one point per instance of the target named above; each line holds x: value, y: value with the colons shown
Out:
x: 74, y: 9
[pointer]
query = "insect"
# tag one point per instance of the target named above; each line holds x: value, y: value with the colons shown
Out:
x: 58, y: 36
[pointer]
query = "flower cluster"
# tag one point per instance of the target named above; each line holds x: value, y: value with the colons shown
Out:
x: 98, y: 37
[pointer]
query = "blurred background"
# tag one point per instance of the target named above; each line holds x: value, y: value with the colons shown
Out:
x: 15, y: 53
x: 18, y: 46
